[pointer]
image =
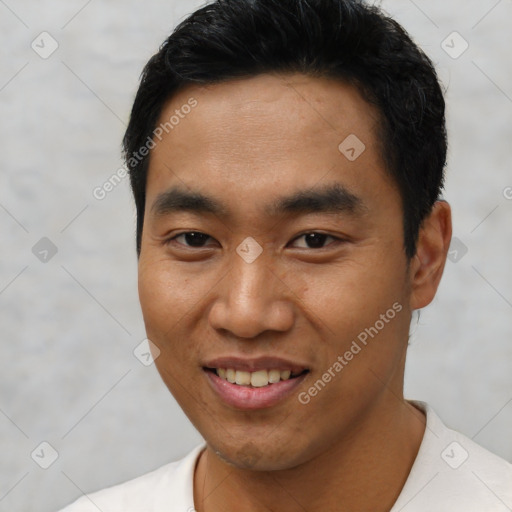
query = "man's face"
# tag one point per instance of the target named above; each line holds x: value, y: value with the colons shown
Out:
x: 331, y: 268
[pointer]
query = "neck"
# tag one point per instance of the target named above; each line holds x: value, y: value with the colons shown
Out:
x: 365, y: 470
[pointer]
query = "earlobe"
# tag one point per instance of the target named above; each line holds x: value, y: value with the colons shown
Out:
x: 428, y: 263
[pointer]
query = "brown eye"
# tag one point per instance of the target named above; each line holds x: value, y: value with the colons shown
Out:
x: 315, y: 240
x: 191, y: 239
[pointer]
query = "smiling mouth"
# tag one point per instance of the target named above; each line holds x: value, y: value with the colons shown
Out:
x: 256, y: 379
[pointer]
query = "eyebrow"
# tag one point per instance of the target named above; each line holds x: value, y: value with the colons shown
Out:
x: 333, y: 198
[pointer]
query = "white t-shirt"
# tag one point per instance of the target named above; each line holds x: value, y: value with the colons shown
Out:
x: 451, y: 473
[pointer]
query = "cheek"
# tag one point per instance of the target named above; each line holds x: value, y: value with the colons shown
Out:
x: 358, y: 308
x: 350, y: 295
x: 165, y: 293
x: 167, y: 298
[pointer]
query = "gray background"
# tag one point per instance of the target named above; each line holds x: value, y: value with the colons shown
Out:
x: 69, y: 325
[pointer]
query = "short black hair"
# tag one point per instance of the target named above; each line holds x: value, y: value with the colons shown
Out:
x: 347, y: 40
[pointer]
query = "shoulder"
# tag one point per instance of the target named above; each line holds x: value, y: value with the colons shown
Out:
x: 453, y: 473
x: 151, y: 492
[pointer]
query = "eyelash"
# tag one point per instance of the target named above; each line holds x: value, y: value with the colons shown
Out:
x: 337, y: 240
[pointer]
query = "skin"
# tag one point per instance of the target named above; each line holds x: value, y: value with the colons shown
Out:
x: 248, y: 142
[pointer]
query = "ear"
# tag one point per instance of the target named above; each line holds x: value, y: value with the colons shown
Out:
x: 427, y: 265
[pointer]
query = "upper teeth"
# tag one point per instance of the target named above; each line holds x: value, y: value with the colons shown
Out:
x: 256, y: 379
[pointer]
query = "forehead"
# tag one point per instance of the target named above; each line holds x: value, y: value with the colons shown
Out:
x: 265, y: 134
x: 313, y: 104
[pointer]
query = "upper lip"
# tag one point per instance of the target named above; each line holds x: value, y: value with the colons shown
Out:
x: 255, y: 364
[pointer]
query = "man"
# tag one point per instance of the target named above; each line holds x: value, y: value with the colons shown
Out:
x: 286, y: 159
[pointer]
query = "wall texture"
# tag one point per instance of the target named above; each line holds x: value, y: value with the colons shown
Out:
x: 70, y: 319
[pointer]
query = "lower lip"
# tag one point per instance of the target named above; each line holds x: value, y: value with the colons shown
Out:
x: 249, y: 398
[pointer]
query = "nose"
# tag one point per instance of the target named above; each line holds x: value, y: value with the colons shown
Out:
x: 252, y: 299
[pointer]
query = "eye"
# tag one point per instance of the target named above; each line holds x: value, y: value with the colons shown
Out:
x: 191, y: 238
x: 315, y: 240
x: 196, y: 239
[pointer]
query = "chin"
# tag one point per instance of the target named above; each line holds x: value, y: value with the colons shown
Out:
x: 259, y: 456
